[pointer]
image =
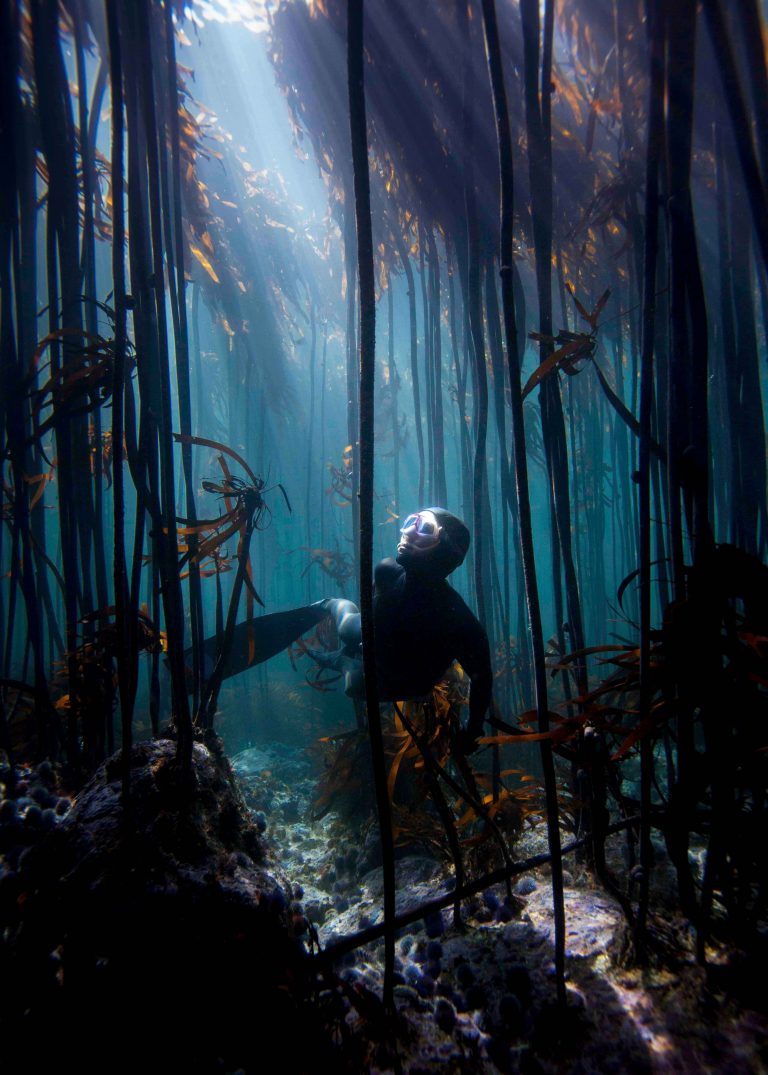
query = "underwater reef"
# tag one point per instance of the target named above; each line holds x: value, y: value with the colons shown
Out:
x: 275, y: 276
x: 122, y: 925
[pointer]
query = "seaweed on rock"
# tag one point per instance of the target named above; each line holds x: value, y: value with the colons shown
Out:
x: 153, y: 907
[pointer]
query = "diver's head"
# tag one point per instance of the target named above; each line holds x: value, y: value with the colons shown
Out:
x: 433, y: 542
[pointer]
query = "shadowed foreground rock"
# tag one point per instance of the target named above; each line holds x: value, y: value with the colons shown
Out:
x: 160, y: 939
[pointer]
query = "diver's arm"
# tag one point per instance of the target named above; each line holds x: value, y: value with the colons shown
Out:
x: 387, y: 575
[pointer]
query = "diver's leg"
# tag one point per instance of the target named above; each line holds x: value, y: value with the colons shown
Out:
x: 348, y: 659
x: 346, y: 616
x: 258, y: 639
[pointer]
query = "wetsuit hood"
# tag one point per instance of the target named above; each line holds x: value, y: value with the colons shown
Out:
x: 447, y: 555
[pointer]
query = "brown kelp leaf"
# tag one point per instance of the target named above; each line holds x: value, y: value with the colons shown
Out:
x: 579, y: 653
x: 203, y: 442
x: 582, y: 309
x: 599, y: 308
x: 395, y: 768
x: 197, y: 253
x: 633, y: 575
x: 634, y: 736
x: 249, y: 584
x: 525, y: 737
x: 41, y: 480
x: 62, y: 334
x: 549, y: 365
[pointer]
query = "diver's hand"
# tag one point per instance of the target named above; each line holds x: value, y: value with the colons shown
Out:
x: 465, y: 741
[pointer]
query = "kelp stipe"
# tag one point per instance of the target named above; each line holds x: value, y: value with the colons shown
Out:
x: 521, y: 473
x: 358, y: 131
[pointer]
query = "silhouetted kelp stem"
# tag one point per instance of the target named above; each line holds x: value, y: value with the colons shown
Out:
x: 624, y: 538
x: 353, y: 419
x: 200, y: 407
x: 365, y: 268
x: 166, y: 544
x: 677, y: 86
x: 625, y: 414
x: 684, y: 248
x: 311, y: 431
x: 506, y: 172
x: 8, y: 352
x: 24, y: 243
x: 750, y: 24
x: 210, y: 696
x: 471, y: 283
x: 493, y: 319
x: 739, y: 514
x: 431, y: 767
x: 740, y: 118
x: 537, y: 110
x: 152, y: 450
x: 174, y: 241
x: 461, y: 388
x: 659, y: 472
x: 749, y: 512
x: 428, y: 369
x: 650, y: 254
x: 126, y: 675
x: 629, y: 149
x: 538, y: 126
x: 687, y: 461
x: 88, y: 271
x: 393, y: 388
x: 718, y: 688
x: 12, y: 369
x: 439, y: 493
x: 405, y: 259
x: 65, y: 280
x: 466, y: 791
x: 140, y: 442
x: 323, y: 543
x: 495, y: 627
x: 726, y: 470
x: 504, y: 480
x: 62, y: 261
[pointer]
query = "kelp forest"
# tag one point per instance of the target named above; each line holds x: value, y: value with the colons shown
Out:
x: 274, y: 275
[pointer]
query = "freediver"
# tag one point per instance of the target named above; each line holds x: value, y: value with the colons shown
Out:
x: 421, y: 624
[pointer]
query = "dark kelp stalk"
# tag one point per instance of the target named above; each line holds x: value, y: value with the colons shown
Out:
x: 556, y: 215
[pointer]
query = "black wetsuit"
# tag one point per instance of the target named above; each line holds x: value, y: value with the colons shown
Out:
x: 422, y: 625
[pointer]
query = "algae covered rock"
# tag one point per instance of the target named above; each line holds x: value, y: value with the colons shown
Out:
x: 155, y: 935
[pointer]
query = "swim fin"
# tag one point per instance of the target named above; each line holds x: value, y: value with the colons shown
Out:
x: 259, y: 638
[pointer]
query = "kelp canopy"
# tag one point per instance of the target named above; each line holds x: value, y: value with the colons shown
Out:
x: 570, y: 352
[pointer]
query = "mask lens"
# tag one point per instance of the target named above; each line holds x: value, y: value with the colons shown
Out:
x: 421, y: 528
x: 425, y: 527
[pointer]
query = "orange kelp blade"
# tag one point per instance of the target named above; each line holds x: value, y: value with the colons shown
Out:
x: 257, y: 639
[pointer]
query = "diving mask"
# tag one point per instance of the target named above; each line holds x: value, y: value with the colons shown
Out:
x: 419, y: 532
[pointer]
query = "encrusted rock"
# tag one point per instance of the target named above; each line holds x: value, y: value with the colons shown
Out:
x: 134, y: 921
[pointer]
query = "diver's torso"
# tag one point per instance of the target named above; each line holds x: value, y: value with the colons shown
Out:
x: 415, y: 623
